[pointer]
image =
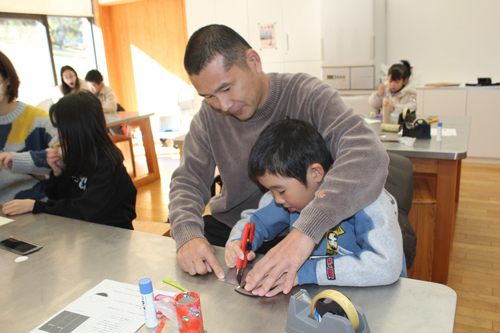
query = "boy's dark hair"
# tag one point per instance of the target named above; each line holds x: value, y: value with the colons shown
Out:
x: 80, y: 121
x: 65, y: 88
x: 401, y: 70
x: 208, y: 42
x: 94, y: 76
x: 287, y: 148
x: 8, y: 72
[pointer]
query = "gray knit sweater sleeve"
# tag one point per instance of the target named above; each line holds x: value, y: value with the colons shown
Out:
x: 361, y: 163
x: 190, y: 184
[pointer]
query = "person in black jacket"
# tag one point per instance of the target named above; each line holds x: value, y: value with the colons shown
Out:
x: 88, y: 180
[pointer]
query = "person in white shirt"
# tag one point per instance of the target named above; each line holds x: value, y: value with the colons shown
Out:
x: 105, y: 94
x: 399, y: 91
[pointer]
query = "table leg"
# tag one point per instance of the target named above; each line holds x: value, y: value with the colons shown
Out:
x: 151, y: 157
x: 446, y: 194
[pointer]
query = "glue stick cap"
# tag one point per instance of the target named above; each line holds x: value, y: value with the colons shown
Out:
x: 145, y: 286
x: 440, y: 124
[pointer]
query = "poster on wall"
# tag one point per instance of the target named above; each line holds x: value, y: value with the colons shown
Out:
x: 267, y: 36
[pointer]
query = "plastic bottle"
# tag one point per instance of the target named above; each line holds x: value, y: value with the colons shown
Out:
x: 146, y: 289
x: 439, y: 131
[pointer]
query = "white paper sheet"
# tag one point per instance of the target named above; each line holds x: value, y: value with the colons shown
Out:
x: 109, y: 307
x: 372, y: 121
x: 4, y: 220
x: 444, y: 132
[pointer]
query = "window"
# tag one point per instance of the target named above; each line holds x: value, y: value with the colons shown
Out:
x: 72, y: 44
x: 40, y: 45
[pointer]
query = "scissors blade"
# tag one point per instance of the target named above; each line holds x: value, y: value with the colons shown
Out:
x: 239, y: 275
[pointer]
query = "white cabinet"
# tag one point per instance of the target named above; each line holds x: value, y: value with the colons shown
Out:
x: 442, y: 101
x: 482, y: 104
x: 353, y: 33
x: 484, y: 107
x: 296, y: 24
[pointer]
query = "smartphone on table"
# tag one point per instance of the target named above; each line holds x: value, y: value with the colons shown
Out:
x: 18, y: 246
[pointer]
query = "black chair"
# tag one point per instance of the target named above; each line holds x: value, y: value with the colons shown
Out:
x: 399, y: 183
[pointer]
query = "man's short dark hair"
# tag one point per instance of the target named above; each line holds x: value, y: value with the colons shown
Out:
x: 94, y: 76
x: 287, y: 148
x: 208, y: 42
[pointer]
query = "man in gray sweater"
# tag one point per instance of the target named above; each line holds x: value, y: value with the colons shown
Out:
x: 240, y: 101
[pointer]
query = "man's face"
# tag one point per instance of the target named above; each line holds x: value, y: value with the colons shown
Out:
x: 94, y: 87
x: 237, y: 92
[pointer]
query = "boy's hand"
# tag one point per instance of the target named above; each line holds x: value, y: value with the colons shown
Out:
x: 381, y: 90
x: 233, y: 252
x: 54, y: 160
x: 6, y: 160
x: 17, y: 207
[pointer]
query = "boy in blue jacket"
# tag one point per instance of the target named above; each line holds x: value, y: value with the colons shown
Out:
x: 290, y: 159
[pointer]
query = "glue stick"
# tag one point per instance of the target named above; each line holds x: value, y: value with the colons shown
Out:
x: 439, y: 131
x: 146, y: 289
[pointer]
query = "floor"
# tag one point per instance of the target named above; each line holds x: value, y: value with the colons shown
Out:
x: 475, y: 264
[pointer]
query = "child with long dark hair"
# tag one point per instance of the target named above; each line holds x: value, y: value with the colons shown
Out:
x: 399, y: 90
x: 88, y: 180
x: 70, y: 83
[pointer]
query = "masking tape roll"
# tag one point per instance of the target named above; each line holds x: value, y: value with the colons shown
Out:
x: 390, y: 128
x: 342, y: 301
x: 419, y: 120
x: 405, y: 111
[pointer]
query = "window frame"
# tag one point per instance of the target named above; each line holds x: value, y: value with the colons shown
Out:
x: 43, y: 19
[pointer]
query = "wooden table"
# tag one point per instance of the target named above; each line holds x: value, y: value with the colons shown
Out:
x: 439, y: 163
x: 78, y: 255
x: 178, y: 142
x: 143, y: 121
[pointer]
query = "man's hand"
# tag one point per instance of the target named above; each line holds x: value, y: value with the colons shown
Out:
x: 6, y: 160
x: 17, y: 207
x: 286, y: 257
x: 197, y: 257
x: 54, y: 160
x: 280, y: 284
x: 233, y: 252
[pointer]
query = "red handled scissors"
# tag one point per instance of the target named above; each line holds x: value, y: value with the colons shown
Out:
x: 246, y: 246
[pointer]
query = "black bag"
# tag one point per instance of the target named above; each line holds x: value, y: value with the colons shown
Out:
x: 419, y: 128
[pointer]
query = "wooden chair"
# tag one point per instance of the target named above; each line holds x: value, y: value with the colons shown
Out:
x: 125, y: 137
x: 117, y: 138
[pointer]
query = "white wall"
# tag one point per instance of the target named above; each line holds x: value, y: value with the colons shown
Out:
x: 446, y: 40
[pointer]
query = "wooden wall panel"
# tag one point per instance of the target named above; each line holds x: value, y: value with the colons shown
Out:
x: 156, y: 27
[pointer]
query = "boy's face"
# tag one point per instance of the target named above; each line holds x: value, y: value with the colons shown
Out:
x: 291, y: 193
x: 94, y: 87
